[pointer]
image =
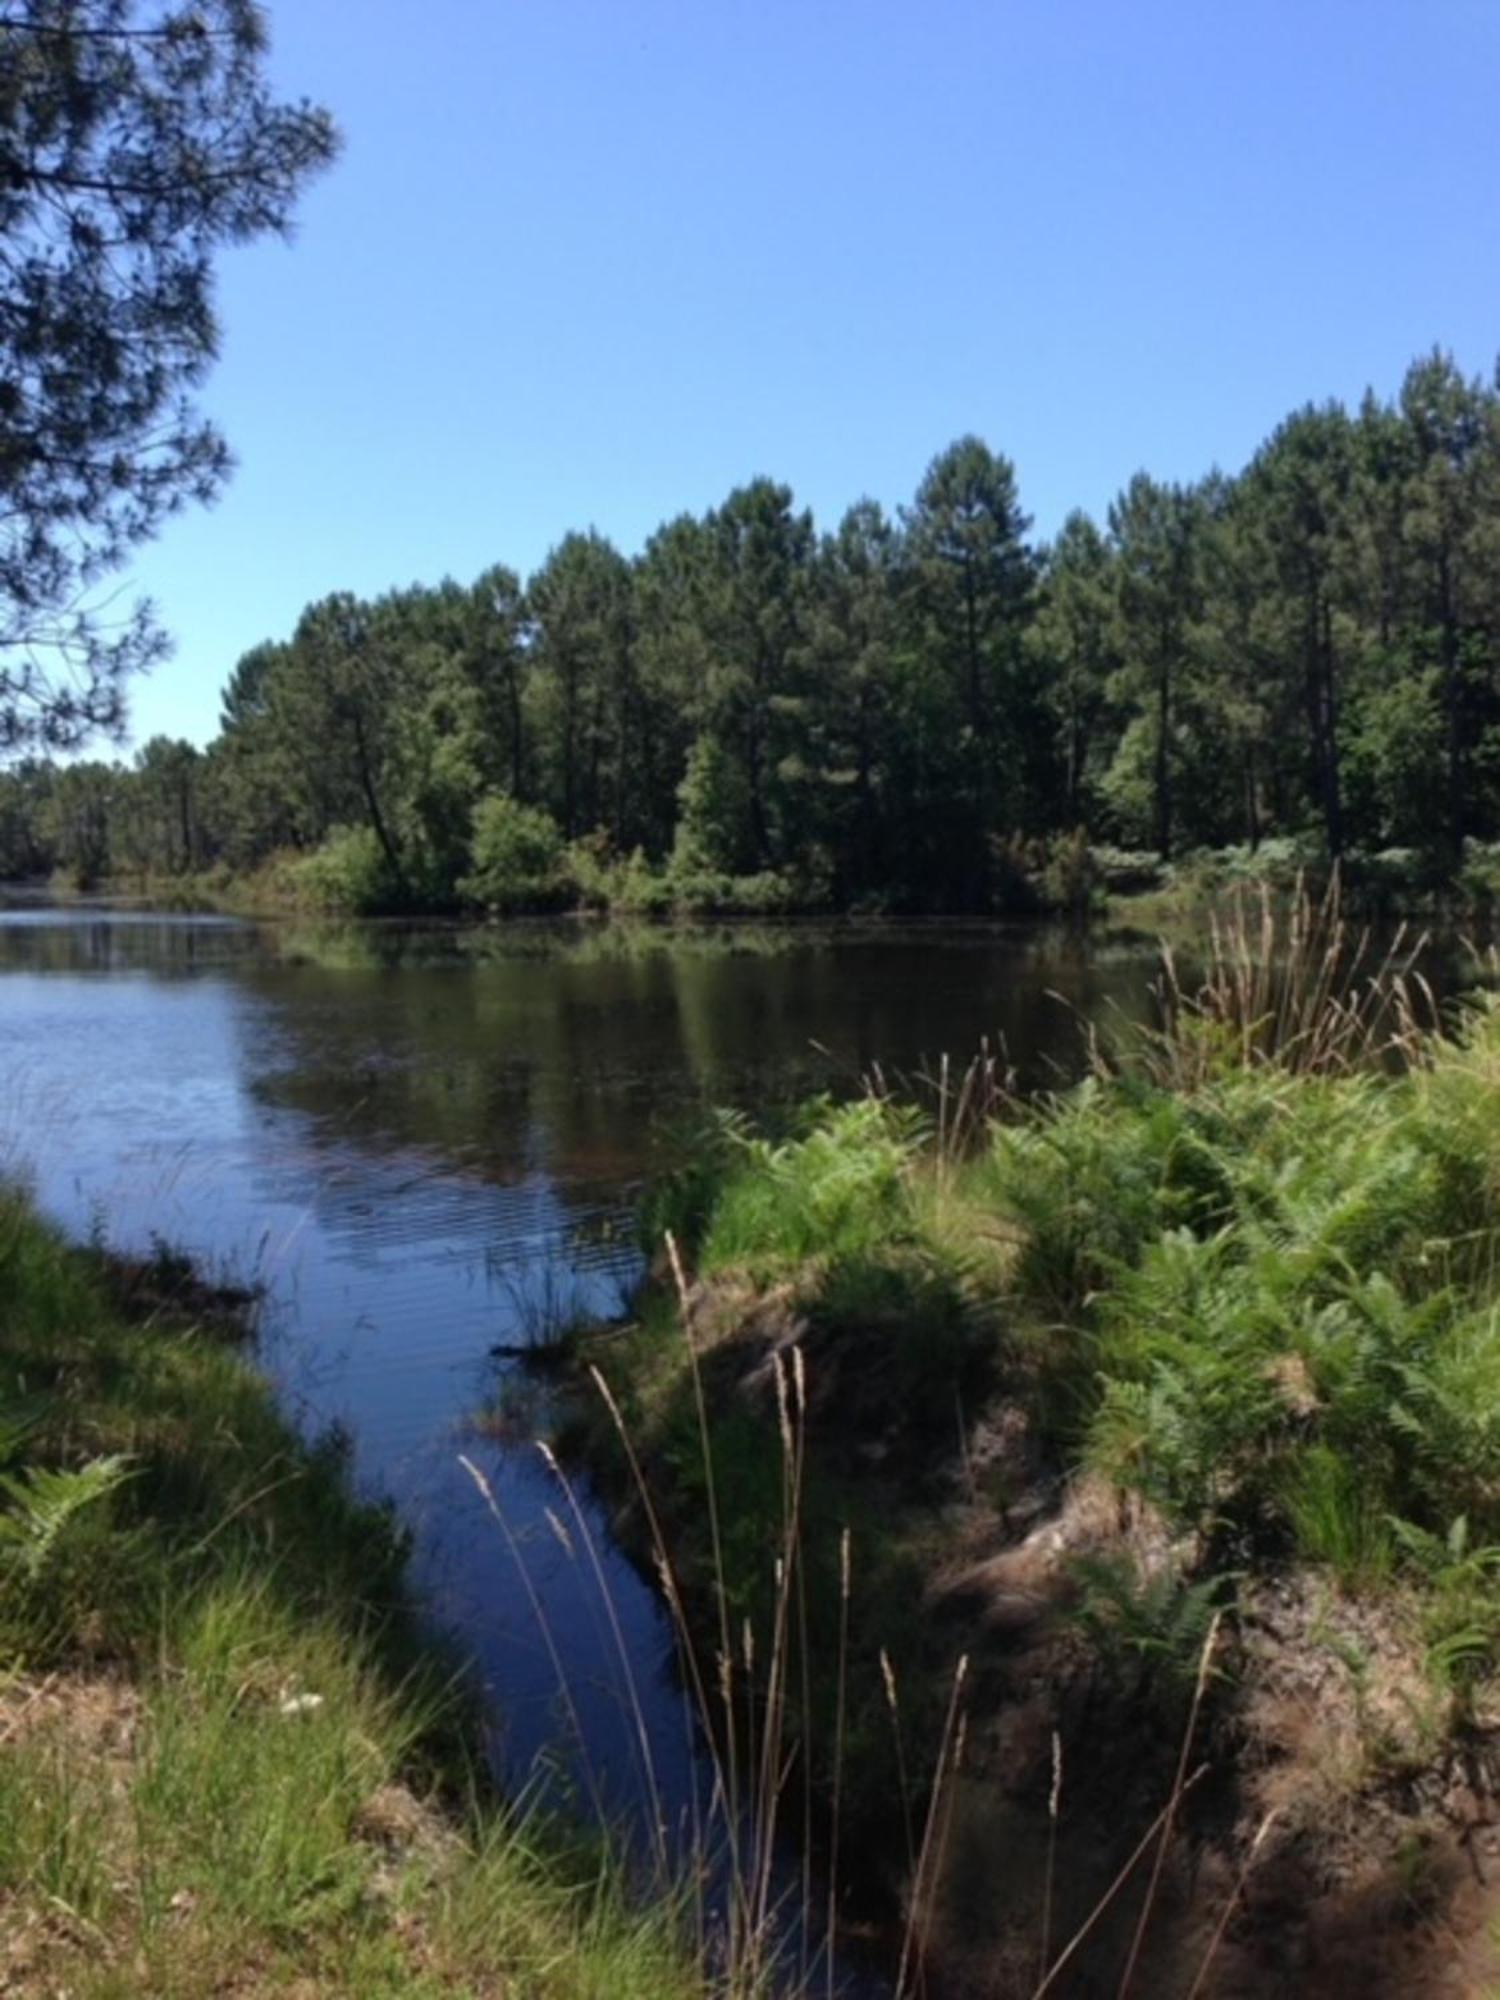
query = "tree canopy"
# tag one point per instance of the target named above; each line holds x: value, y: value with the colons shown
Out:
x: 925, y: 711
x: 135, y: 141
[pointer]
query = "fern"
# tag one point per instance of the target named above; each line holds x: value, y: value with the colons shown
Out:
x: 41, y: 1501
x: 1153, y: 1625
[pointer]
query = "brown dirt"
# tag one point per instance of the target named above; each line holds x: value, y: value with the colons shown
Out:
x: 1343, y: 1839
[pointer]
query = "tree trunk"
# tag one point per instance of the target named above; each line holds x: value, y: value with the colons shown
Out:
x: 377, y: 817
x: 1323, y: 720
x: 1164, y: 753
x: 1453, y: 702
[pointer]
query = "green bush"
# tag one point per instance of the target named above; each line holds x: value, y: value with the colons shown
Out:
x: 1274, y: 1299
x: 516, y: 856
x: 1070, y: 878
x: 637, y: 889
x: 705, y: 892
x: 1127, y: 871
x: 348, y: 875
x: 916, y: 1335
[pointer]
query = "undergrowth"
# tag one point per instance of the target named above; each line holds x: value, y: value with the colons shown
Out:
x: 1266, y: 1299
x: 1245, y: 1277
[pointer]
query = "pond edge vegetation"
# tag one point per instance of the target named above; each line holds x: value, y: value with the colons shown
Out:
x: 1157, y: 1425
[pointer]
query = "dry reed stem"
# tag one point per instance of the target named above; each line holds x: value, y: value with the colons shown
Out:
x: 1302, y: 992
x: 1054, y: 1803
x: 935, y: 1805
x: 721, y: 1600
x: 893, y: 1706
x: 724, y: 1788
x: 1230, y: 1903
x: 1076, y: 1942
x: 622, y: 1651
x: 1169, y: 1821
x: 752, y: 1818
x: 838, y: 1754
x: 564, y: 1688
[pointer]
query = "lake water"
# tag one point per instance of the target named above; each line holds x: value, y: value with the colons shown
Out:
x: 428, y: 1142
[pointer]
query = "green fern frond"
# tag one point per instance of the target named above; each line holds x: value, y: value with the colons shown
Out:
x: 42, y: 1500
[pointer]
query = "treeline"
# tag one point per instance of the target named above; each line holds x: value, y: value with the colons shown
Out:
x: 921, y: 712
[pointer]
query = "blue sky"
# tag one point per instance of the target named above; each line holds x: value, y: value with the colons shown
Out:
x: 598, y: 261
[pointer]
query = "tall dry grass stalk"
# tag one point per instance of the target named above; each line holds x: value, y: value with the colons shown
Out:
x: 1292, y: 984
x: 963, y: 1103
x: 929, y: 1855
x: 1231, y: 1903
x: 745, y: 1708
x: 1086, y: 1929
x: 1054, y: 1805
x: 544, y: 1627
x: 839, y: 1719
x: 1169, y: 1821
x: 756, y: 1919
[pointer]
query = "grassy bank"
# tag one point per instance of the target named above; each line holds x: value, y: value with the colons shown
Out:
x: 1170, y: 1406
x: 226, y: 1764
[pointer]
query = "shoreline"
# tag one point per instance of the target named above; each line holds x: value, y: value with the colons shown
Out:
x: 226, y: 1749
x: 1131, y: 901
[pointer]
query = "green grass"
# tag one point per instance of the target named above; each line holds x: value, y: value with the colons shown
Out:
x: 226, y: 1761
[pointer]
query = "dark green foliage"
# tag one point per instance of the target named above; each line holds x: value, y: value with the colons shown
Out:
x: 839, y: 1189
x: 517, y: 856
x: 1271, y: 1299
x: 1264, y: 1300
x: 1149, y: 1628
x: 135, y: 140
x: 1243, y: 679
x: 920, y: 1345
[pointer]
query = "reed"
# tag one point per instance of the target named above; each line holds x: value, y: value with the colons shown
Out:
x: 759, y: 1929
x: 1289, y: 984
x: 1174, y: 1801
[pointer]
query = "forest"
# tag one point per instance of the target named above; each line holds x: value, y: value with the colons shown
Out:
x: 930, y: 711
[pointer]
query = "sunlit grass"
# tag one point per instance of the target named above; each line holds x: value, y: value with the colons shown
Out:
x: 226, y: 1760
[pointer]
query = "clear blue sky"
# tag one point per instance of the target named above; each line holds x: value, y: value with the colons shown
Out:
x: 598, y: 261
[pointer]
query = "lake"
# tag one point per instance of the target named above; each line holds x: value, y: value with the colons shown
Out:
x: 427, y: 1142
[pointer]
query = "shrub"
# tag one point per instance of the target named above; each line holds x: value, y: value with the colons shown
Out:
x: 516, y: 854
x: 916, y: 1336
x: 1479, y: 877
x: 348, y: 874
x: 1070, y: 879
x: 1127, y: 871
x: 708, y: 893
x: 638, y: 889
